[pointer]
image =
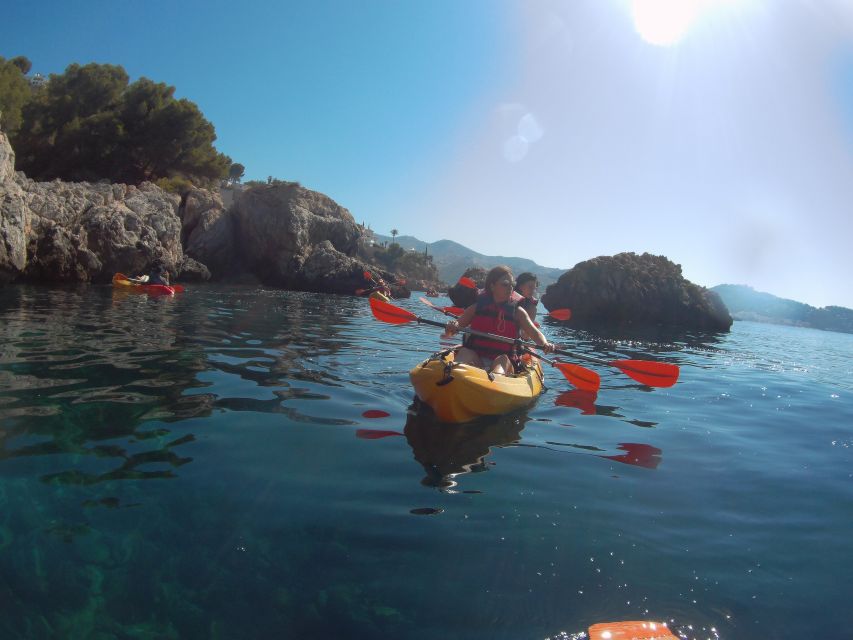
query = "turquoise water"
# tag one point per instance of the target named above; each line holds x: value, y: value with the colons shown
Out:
x: 202, y: 467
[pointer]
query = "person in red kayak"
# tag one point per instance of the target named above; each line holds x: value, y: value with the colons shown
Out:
x: 497, y: 310
x: 159, y: 274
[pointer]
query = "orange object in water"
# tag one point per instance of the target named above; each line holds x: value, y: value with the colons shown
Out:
x: 631, y: 630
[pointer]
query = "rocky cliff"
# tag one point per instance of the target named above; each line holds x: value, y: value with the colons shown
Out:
x: 283, y: 234
x: 636, y: 290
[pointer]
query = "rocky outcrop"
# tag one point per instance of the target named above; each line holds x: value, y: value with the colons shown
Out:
x: 293, y: 237
x: 463, y: 296
x: 280, y: 234
x: 636, y: 290
x: 66, y: 232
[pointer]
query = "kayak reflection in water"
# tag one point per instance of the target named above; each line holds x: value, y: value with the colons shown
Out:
x: 446, y: 451
x: 497, y: 311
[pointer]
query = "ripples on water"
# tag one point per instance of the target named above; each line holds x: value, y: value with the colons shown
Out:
x: 236, y: 462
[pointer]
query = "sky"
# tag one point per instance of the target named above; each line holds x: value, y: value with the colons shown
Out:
x: 718, y: 133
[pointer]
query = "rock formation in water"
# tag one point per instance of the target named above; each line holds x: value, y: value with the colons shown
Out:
x: 463, y: 296
x: 637, y: 290
x: 281, y: 234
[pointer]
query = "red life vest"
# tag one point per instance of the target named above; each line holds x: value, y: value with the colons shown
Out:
x: 492, y: 317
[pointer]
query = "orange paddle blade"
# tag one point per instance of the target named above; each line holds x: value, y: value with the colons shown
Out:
x: 647, y: 372
x: 581, y: 377
x: 368, y: 275
x: 561, y: 314
x: 456, y: 311
x: 389, y: 313
x: 631, y: 630
x: 467, y: 282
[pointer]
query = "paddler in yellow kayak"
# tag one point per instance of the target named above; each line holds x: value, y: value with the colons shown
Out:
x: 495, y: 311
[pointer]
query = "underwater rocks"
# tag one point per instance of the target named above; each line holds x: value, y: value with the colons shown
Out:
x: 637, y: 290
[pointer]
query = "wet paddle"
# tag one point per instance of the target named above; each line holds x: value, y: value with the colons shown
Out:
x: 557, y: 314
x: 647, y: 372
x: 579, y: 376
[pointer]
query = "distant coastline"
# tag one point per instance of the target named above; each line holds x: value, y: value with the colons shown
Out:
x: 745, y: 303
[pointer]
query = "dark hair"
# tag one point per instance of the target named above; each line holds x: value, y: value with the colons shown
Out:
x: 523, y: 278
x: 497, y: 273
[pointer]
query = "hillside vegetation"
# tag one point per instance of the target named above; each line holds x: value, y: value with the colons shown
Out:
x: 745, y: 303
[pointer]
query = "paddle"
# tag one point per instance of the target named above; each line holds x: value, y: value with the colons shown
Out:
x: 579, y: 376
x: 557, y: 314
x: 647, y: 372
x: 453, y: 312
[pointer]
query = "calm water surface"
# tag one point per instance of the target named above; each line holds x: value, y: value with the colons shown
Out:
x: 202, y: 467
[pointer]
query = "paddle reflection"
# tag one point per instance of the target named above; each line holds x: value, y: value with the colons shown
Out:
x: 585, y: 402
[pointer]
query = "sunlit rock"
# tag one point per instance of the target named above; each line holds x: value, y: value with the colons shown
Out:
x: 637, y: 290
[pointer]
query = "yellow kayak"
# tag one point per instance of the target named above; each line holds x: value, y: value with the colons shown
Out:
x: 460, y: 392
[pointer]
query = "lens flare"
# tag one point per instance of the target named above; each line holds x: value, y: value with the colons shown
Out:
x: 664, y: 22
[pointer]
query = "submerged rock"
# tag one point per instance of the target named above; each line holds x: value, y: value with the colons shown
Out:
x: 637, y: 290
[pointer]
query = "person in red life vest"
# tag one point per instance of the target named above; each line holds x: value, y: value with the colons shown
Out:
x: 525, y: 286
x: 496, y: 311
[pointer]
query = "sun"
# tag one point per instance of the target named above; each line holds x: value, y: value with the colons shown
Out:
x: 664, y: 22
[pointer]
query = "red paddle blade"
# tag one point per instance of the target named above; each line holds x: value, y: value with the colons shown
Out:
x: 467, y: 282
x: 179, y: 288
x: 581, y: 377
x: 367, y: 275
x: 631, y: 630
x: 389, y: 313
x: 652, y: 374
x: 561, y: 314
x: 456, y: 311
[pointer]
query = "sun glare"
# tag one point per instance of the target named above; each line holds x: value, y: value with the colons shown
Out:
x: 664, y: 22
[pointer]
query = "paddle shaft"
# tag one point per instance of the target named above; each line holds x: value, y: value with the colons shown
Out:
x: 481, y: 334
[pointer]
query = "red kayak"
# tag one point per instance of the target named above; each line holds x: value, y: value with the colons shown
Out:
x: 121, y: 280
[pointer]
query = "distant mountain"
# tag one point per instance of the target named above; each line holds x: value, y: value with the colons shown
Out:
x: 745, y: 303
x: 452, y: 259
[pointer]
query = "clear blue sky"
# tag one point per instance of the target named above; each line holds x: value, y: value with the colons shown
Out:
x: 716, y: 132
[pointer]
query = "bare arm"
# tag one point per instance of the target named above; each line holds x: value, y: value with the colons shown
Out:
x: 463, y: 321
x: 526, y: 325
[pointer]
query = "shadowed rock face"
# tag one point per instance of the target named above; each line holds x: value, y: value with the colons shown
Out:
x: 637, y: 290
x: 283, y: 234
x: 80, y: 232
x: 463, y: 296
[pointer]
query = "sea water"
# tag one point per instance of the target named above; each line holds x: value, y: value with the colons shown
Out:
x: 235, y: 462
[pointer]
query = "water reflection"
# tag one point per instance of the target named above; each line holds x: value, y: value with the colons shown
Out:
x: 446, y: 451
x: 585, y: 402
x: 84, y: 365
